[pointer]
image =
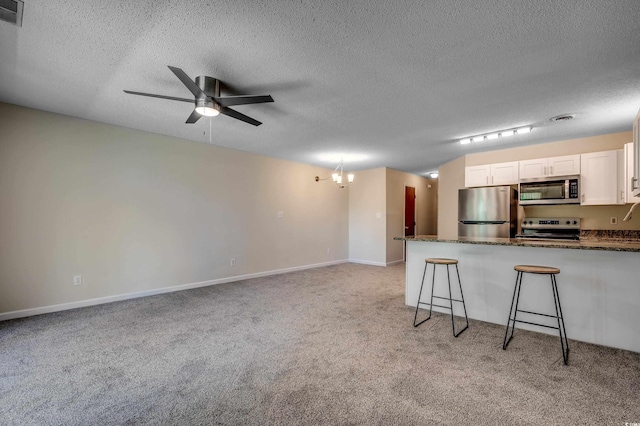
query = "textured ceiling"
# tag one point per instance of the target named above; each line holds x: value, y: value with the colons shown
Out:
x: 382, y: 83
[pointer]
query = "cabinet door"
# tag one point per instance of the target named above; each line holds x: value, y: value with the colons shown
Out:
x: 504, y: 173
x: 636, y: 156
x: 628, y: 174
x: 535, y: 168
x: 564, y: 166
x: 477, y: 175
x: 599, y: 178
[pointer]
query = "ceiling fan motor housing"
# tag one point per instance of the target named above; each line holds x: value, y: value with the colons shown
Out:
x: 208, y: 85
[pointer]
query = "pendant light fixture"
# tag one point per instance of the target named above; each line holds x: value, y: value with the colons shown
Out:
x: 338, y: 176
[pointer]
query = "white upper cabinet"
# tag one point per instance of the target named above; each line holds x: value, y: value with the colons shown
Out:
x: 636, y: 156
x: 628, y: 183
x: 549, y: 167
x: 536, y: 168
x: 504, y: 173
x: 477, y: 175
x: 491, y: 174
x: 601, y: 178
x: 565, y: 165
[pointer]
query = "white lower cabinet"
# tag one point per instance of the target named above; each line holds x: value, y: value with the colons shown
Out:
x: 602, y: 178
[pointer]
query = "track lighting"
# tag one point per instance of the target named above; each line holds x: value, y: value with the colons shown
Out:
x: 496, y: 135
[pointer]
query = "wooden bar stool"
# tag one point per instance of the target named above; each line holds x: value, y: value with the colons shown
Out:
x: 544, y: 270
x: 446, y: 262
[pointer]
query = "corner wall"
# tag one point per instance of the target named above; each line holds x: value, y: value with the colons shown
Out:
x: 426, y: 209
x: 137, y: 213
x: 368, y: 217
x: 450, y: 179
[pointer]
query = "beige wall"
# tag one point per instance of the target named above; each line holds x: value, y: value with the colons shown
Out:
x: 367, y: 217
x: 426, y: 205
x: 593, y: 217
x: 376, y: 213
x: 450, y: 180
x: 132, y: 211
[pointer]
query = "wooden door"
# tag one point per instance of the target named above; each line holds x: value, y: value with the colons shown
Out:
x: 409, y: 211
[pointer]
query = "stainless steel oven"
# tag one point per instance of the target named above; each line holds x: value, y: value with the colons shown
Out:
x: 556, y: 190
x: 550, y: 228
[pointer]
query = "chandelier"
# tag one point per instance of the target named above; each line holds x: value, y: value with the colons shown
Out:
x: 338, y: 176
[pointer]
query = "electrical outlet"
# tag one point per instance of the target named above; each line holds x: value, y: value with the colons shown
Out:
x: 280, y: 214
x: 77, y: 280
x: 233, y: 262
x: 328, y: 250
x: 613, y: 220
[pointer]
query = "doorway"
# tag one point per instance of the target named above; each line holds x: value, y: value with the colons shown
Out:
x: 409, y: 211
x: 409, y: 216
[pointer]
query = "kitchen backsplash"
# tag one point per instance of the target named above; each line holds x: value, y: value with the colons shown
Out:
x: 608, y: 234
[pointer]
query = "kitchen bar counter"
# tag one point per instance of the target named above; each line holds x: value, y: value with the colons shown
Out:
x: 609, y: 245
x: 598, y: 283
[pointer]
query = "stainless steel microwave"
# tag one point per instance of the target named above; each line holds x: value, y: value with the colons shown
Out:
x: 554, y: 190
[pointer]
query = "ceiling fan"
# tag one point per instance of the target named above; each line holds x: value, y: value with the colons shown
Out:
x: 207, y: 99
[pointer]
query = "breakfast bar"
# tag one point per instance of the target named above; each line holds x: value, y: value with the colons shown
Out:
x: 599, y: 283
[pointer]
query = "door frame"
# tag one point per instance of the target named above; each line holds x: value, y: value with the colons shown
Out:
x: 415, y: 216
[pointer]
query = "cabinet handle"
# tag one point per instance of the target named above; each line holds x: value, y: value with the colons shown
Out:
x: 487, y: 180
x: 583, y: 197
x: 622, y: 195
x: 551, y: 170
x: 633, y: 186
x: 492, y: 179
x: 544, y: 170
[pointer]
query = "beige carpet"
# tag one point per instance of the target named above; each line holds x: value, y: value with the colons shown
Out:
x: 333, y: 345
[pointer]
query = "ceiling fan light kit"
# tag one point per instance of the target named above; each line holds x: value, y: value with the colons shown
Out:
x: 207, y: 100
x: 496, y: 135
x: 206, y: 107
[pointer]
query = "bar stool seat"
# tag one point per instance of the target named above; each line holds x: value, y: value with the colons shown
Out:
x: 441, y: 261
x: 540, y: 270
x: 533, y: 269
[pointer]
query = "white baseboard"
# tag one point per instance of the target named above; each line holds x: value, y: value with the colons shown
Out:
x: 108, y: 299
x: 367, y: 262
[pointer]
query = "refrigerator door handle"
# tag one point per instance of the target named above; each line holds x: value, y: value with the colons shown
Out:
x: 471, y: 222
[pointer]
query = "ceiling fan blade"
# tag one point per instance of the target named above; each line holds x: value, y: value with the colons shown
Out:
x: 235, y: 114
x: 151, y: 95
x: 195, y: 116
x: 243, y: 100
x: 184, y: 78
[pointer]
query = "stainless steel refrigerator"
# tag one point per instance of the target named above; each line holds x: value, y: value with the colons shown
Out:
x: 489, y: 212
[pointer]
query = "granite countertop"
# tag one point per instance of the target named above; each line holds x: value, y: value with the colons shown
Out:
x: 588, y: 244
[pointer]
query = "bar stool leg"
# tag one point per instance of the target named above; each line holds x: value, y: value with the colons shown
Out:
x: 453, y: 326
x: 420, y: 295
x: 516, y: 290
x: 433, y: 283
x: 564, y: 342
